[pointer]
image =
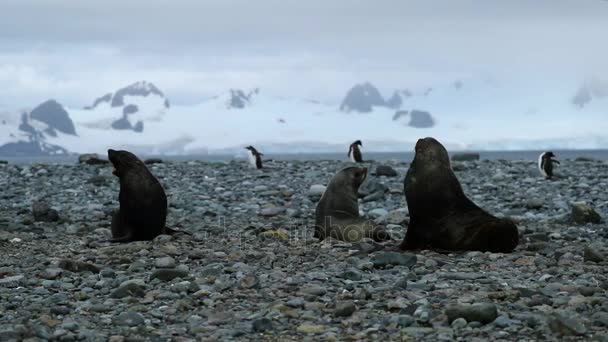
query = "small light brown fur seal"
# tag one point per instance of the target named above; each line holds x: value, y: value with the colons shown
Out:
x: 337, y: 213
x: 143, y: 203
x: 441, y: 216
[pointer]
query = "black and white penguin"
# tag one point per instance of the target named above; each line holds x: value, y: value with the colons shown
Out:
x: 354, y: 152
x: 545, y: 164
x: 255, y: 157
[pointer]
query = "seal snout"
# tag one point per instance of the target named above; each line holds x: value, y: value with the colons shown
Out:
x: 112, y: 154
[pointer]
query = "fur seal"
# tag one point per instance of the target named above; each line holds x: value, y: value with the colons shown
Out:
x: 441, y: 215
x: 255, y: 157
x: 354, y: 152
x: 337, y: 213
x: 545, y: 164
x: 143, y: 203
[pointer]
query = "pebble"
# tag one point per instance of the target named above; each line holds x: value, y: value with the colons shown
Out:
x: 480, y: 312
x: 316, y: 190
x: 566, y: 323
x: 168, y: 274
x: 384, y: 259
x: 582, y: 213
x: 345, y: 309
x: 130, y: 319
x: 165, y: 262
x: 261, y: 325
x: 592, y: 255
x: 235, y: 276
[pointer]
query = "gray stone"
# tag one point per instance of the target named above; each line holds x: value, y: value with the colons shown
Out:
x: 91, y: 159
x: 249, y: 282
x: 295, y: 303
x: 385, y: 170
x: 459, y: 323
x: 462, y: 157
x: 535, y: 203
x: 352, y: 274
x: 129, y: 319
x: 314, y: 290
x: 165, y: 262
x: 345, y: 309
x: 274, y: 211
x: 398, y: 216
x: 43, y: 212
x: 566, y: 323
x: 582, y: 213
x: 168, y: 274
x: 481, y: 312
x: 316, y: 190
x: 590, y: 254
x: 600, y: 319
x: 378, y: 213
x: 78, y: 266
x: 262, y: 325
x: 132, y: 288
x: 384, y: 259
x: 503, y: 321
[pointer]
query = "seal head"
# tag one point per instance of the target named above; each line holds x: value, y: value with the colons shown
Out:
x: 337, y: 213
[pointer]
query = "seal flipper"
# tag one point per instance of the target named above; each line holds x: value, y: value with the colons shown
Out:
x: 126, y: 238
x: 121, y: 231
x: 414, y: 240
x: 170, y: 231
x: 501, y: 236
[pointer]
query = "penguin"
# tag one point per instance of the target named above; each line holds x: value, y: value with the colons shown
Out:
x: 354, y: 152
x: 545, y: 164
x: 255, y: 157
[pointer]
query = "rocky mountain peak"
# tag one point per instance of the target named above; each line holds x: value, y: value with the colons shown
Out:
x: 55, y: 116
x: 140, y: 88
x: 239, y: 99
x: 362, y: 98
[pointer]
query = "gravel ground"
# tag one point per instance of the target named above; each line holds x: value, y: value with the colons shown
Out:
x: 252, y: 271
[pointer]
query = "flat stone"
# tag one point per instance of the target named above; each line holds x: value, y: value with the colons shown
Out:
x: 130, y: 288
x: 482, y: 312
x: 345, y: 309
x: 316, y: 190
x: 311, y: 329
x: 383, y: 259
x: 78, y: 266
x: 385, y: 170
x: 566, y: 323
x: 274, y: 211
x: 582, y: 213
x: 314, y: 290
x: 129, y: 319
x: 165, y: 262
x: 168, y: 274
x: 461, y: 157
x: 590, y: 254
x: 261, y: 325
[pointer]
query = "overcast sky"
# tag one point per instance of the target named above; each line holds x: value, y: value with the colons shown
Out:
x: 74, y: 51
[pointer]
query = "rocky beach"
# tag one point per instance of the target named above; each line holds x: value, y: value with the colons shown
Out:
x: 251, y: 270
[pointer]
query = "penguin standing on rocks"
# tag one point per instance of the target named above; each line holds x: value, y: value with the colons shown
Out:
x: 354, y: 152
x: 545, y: 164
x: 255, y: 157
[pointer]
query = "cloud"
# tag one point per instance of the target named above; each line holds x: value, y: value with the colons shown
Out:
x: 77, y: 50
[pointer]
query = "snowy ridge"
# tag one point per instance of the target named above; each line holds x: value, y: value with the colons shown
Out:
x: 473, y: 114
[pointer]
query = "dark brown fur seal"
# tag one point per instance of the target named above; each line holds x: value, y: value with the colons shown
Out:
x: 143, y: 203
x: 337, y: 213
x: 441, y: 216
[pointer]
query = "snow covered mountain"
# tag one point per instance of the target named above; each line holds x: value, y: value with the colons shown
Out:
x: 465, y: 114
